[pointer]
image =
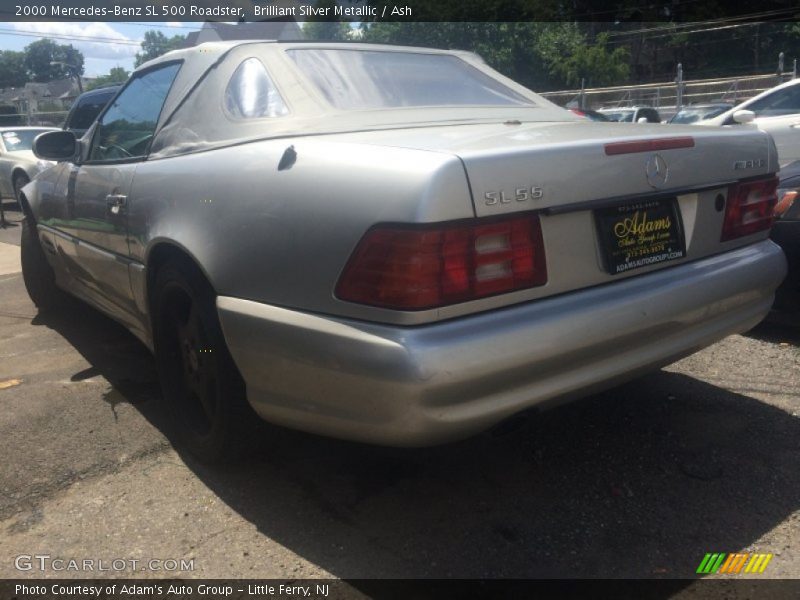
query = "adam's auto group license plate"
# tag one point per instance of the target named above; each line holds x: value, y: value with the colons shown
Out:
x: 640, y: 234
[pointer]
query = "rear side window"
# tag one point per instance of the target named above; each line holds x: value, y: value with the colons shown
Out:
x: 251, y: 94
x: 781, y: 102
x: 127, y: 127
x: 623, y: 117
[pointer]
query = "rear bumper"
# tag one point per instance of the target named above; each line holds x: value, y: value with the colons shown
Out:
x: 411, y: 386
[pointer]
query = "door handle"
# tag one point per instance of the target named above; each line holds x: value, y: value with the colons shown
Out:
x: 116, y: 203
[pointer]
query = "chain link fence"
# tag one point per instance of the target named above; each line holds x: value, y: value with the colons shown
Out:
x: 48, y: 118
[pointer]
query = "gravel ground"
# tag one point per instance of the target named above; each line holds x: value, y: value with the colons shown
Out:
x: 640, y: 481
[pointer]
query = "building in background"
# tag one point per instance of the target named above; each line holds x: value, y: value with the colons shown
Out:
x: 213, y: 31
x: 37, y: 103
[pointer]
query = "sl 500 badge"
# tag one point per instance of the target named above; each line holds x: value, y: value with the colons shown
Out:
x: 748, y: 164
x: 520, y: 195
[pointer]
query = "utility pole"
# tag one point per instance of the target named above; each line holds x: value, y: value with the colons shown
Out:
x: 756, y: 48
x: 74, y: 70
x: 679, y: 88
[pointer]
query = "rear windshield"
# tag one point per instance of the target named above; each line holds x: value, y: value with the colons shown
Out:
x: 369, y: 79
x: 20, y: 139
x: 626, y: 116
x: 691, y: 115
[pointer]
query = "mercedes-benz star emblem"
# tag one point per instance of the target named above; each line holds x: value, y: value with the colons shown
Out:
x: 657, y: 171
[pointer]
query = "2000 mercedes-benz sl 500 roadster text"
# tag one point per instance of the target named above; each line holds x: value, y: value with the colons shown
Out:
x: 392, y: 245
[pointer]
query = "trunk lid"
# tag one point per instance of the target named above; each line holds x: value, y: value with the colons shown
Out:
x: 567, y: 162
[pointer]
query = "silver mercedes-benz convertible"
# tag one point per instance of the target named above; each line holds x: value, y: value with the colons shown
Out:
x: 392, y: 245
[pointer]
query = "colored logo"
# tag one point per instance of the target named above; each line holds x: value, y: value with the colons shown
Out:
x: 734, y: 564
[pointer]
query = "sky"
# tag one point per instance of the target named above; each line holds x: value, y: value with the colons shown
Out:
x: 104, y: 45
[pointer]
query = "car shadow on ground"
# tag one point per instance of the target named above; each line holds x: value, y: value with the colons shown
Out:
x: 640, y: 481
x: 779, y: 328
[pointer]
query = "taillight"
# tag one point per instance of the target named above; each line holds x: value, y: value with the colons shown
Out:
x: 785, y: 203
x: 749, y: 208
x: 418, y: 267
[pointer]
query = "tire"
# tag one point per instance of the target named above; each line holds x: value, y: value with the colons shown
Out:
x: 20, y: 181
x: 203, y: 391
x: 38, y: 275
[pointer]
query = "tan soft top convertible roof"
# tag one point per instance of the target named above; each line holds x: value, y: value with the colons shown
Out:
x: 193, y: 118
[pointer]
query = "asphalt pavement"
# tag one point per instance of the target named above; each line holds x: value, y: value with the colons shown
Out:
x: 640, y: 481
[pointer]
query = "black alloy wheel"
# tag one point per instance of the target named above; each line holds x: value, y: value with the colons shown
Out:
x: 203, y: 390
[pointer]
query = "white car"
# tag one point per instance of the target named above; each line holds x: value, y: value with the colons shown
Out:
x: 632, y: 114
x: 776, y: 111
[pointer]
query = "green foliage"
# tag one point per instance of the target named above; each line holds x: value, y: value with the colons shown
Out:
x: 12, y: 69
x: 593, y: 64
x: 49, y: 106
x: 155, y: 44
x: 328, y: 29
x: 40, y: 55
x: 116, y: 75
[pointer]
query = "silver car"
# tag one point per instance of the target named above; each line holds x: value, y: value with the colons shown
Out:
x: 393, y: 245
x: 18, y: 165
x: 632, y: 114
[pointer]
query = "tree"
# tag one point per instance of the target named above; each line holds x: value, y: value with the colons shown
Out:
x: 12, y: 69
x: 40, y: 55
x: 328, y: 29
x: 571, y: 59
x: 155, y: 44
x: 114, y: 76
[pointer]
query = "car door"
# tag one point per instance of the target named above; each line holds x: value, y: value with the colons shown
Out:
x: 95, y: 247
x: 779, y: 115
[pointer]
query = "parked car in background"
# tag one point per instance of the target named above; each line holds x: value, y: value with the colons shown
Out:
x: 699, y: 112
x: 631, y: 114
x: 776, y: 111
x: 86, y: 108
x: 592, y: 115
x: 391, y: 244
x: 786, y: 233
x: 18, y: 164
x: 10, y: 117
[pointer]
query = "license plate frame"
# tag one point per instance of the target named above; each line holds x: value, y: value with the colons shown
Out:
x: 641, y: 233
